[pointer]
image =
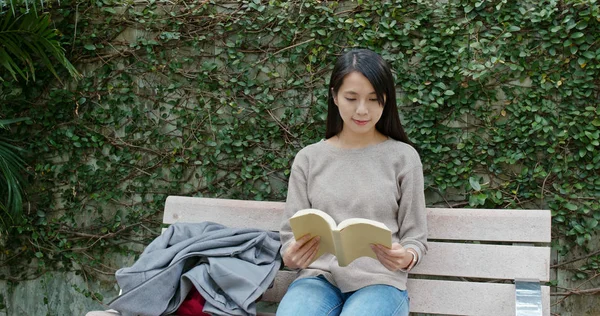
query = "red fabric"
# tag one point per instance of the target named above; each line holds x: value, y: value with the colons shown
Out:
x: 192, y: 305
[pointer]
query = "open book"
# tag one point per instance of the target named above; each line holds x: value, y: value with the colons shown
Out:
x: 347, y: 240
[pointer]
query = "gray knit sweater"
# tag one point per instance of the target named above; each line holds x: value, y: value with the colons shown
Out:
x: 382, y: 182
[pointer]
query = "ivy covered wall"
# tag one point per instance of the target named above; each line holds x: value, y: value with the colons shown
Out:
x: 214, y: 98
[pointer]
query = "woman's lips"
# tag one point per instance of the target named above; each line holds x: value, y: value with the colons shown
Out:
x: 358, y: 122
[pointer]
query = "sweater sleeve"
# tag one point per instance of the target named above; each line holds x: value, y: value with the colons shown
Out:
x: 297, y: 198
x: 412, y: 215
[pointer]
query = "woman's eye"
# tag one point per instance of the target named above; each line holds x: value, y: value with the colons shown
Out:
x: 373, y: 100
x: 349, y: 99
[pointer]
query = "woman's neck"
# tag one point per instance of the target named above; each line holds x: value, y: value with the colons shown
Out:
x: 354, y: 141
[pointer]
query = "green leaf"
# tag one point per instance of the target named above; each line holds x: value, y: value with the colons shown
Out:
x: 574, y: 49
x: 581, y: 25
x: 571, y: 206
x: 577, y: 35
x: 591, y: 223
x: 589, y: 55
x: 475, y: 184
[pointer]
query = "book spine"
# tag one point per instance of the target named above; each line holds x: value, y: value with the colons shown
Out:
x: 339, y: 249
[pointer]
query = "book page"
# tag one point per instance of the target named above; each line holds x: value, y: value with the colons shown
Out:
x: 352, y: 221
x: 316, y: 223
x: 356, y: 237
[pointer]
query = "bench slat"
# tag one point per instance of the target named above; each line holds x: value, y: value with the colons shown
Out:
x: 485, y: 261
x: 475, y: 224
x: 234, y: 213
x: 489, y: 224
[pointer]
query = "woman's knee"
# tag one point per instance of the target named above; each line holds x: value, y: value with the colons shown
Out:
x: 382, y: 300
x: 311, y: 296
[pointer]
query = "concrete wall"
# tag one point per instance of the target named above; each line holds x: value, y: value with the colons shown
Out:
x: 53, y: 294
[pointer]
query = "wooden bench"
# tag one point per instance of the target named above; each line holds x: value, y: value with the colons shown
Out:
x: 480, y: 261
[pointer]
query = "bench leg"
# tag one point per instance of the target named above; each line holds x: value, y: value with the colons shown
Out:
x: 528, y: 297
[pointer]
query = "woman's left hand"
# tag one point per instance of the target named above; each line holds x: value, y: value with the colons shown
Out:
x: 394, y: 258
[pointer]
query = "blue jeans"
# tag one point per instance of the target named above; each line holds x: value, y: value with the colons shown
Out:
x: 315, y: 296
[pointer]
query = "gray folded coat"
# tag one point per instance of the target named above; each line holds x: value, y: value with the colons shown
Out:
x: 230, y: 267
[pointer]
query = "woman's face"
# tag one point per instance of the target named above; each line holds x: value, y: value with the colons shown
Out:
x: 358, y: 105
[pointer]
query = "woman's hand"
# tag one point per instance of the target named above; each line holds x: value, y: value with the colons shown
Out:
x: 394, y: 258
x: 301, y: 252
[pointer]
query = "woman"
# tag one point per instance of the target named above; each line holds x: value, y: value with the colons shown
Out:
x: 366, y: 167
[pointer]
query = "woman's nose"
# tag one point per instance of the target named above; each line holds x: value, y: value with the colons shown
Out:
x: 361, y: 108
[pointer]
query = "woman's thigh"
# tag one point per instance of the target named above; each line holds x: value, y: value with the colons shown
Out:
x: 381, y: 300
x: 312, y: 296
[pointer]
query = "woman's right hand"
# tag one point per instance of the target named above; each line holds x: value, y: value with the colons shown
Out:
x: 301, y: 252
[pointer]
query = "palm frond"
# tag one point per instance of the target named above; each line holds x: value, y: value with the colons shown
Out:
x: 15, y: 4
x: 12, y: 168
x: 27, y: 39
x: 5, y: 122
x: 11, y: 179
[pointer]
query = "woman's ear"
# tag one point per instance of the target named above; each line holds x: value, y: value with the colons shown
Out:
x: 334, y: 96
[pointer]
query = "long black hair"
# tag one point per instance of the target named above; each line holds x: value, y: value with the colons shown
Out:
x: 379, y: 74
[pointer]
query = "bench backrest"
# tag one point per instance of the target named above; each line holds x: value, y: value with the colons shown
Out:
x: 473, y: 259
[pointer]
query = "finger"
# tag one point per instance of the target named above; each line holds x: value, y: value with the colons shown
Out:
x: 310, y: 250
x: 383, y: 251
x: 387, y: 259
x: 398, y: 253
x: 300, y: 242
x: 311, y: 242
x: 289, y: 257
x: 313, y: 257
x: 381, y: 256
x: 397, y: 246
x: 308, y: 257
x: 392, y: 263
x: 386, y: 262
